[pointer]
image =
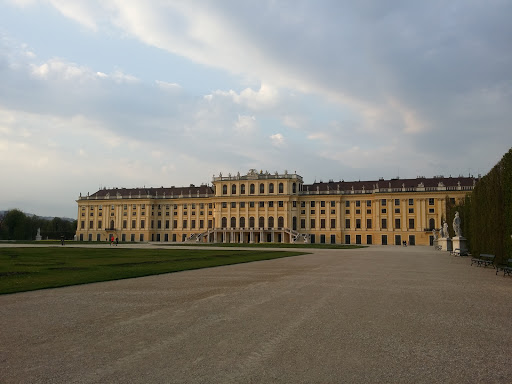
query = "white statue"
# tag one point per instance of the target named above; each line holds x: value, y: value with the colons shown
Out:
x: 445, y: 230
x: 456, y: 225
x: 434, y: 233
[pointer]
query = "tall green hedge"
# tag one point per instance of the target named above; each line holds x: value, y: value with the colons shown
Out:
x: 490, y: 212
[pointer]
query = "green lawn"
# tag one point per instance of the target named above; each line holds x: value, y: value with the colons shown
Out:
x: 27, y: 269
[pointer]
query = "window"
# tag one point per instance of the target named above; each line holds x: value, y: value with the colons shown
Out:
x: 333, y: 223
x: 242, y: 189
x: 251, y: 222
x: 210, y: 206
x: 159, y: 224
x: 303, y: 204
x: 312, y: 223
x: 397, y: 201
x: 133, y: 224
x: 175, y: 223
x: 411, y: 210
x: 368, y: 203
x: 233, y: 204
x: 185, y: 223
x: 233, y: 189
x: 294, y: 204
x: 152, y: 224
x: 271, y: 222
x: 358, y: 211
x: 242, y: 222
x: 281, y: 204
x: 270, y: 204
x: 242, y: 204
x: 432, y: 224
x: 333, y: 211
x: 368, y: 223
x: 261, y: 222
x: 411, y: 201
x: 347, y: 204
x: 368, y: 211
x: 383, y: 202
x: 251, y: 189
x: 294, y: 188
x: 312, y: 204
x: 281, y: 188
x: 384, y: 210
x: 192, y: 224
x: 322, y: 211
x: 303, y: 223
x: 358, y: 223
x: 333, y: 204
x: 251, y: 204
x: 302, y: 211
x: 224, y: 222
x: 347, y: 223
x: 347, y: 211
x: 141, y: 237
x: 384, y: 223
x: 224, y: 204
x: 430, y: 201
x: 411, y: 223
x: 91, y: 223
x: 99, y: 224
x: 312, y: 211
x: 262, y: 204
x: 397, y: 223
x: 224, y: 189
x: 322, y: 204
x: 124, y: 224
x: 233, y: 222
x: 431, y: 210
x: 397, y: 210
x: 358, y: 203
x: 82, y: 224
x: 322, y: 223
x: 166, y: 224
x: 201, y: 223
x: 369, y: 239
x: 262, y: 188
x: 210, y: 224
x: 271, y: 188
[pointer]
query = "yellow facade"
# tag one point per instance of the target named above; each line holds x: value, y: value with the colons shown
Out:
x: 264, y: 207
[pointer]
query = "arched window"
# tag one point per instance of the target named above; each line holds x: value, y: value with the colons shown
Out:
x: 242, y: 189
x: 271, y: 222
x: 251, y: 189
x: 432, y: 223
x: 224, y: 189
x: 242, y: 222
x: 224, y: 222
x: 271, y: 188
x: 262, y: 188
x: 233, y: 222
x: 294, y: 187
x: 251, y: 222
x: 261, y: 223
x: 294, y: 223
x: 280, y: 222
x: 112, y: 224
x: 233, y: 189
x: 281, y: 188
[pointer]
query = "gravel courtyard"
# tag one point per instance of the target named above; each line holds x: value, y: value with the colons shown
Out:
x: 383, y: 314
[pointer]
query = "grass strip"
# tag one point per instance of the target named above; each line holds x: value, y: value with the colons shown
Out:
x: 27, y: 269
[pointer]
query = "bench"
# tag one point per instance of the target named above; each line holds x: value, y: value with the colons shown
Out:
x: 457, y: 252
x: 484, y: 259
x: 506, y: 268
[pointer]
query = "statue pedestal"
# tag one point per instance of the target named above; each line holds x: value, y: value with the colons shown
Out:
x: 461, y: 243
x: 445, y: 243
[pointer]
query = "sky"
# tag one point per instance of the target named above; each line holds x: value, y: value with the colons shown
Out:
x: 132, y: 93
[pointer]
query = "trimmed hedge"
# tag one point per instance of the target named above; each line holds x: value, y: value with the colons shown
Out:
x: 488, y: 212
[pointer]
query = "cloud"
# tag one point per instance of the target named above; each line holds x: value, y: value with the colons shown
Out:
x: 277, y: 140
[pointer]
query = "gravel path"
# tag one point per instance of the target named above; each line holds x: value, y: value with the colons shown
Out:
x: 382, y: 314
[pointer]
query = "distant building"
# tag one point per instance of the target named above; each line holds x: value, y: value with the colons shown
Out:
x: 264, y: 207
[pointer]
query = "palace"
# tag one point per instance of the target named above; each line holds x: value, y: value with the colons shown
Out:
x: 263, y: 207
